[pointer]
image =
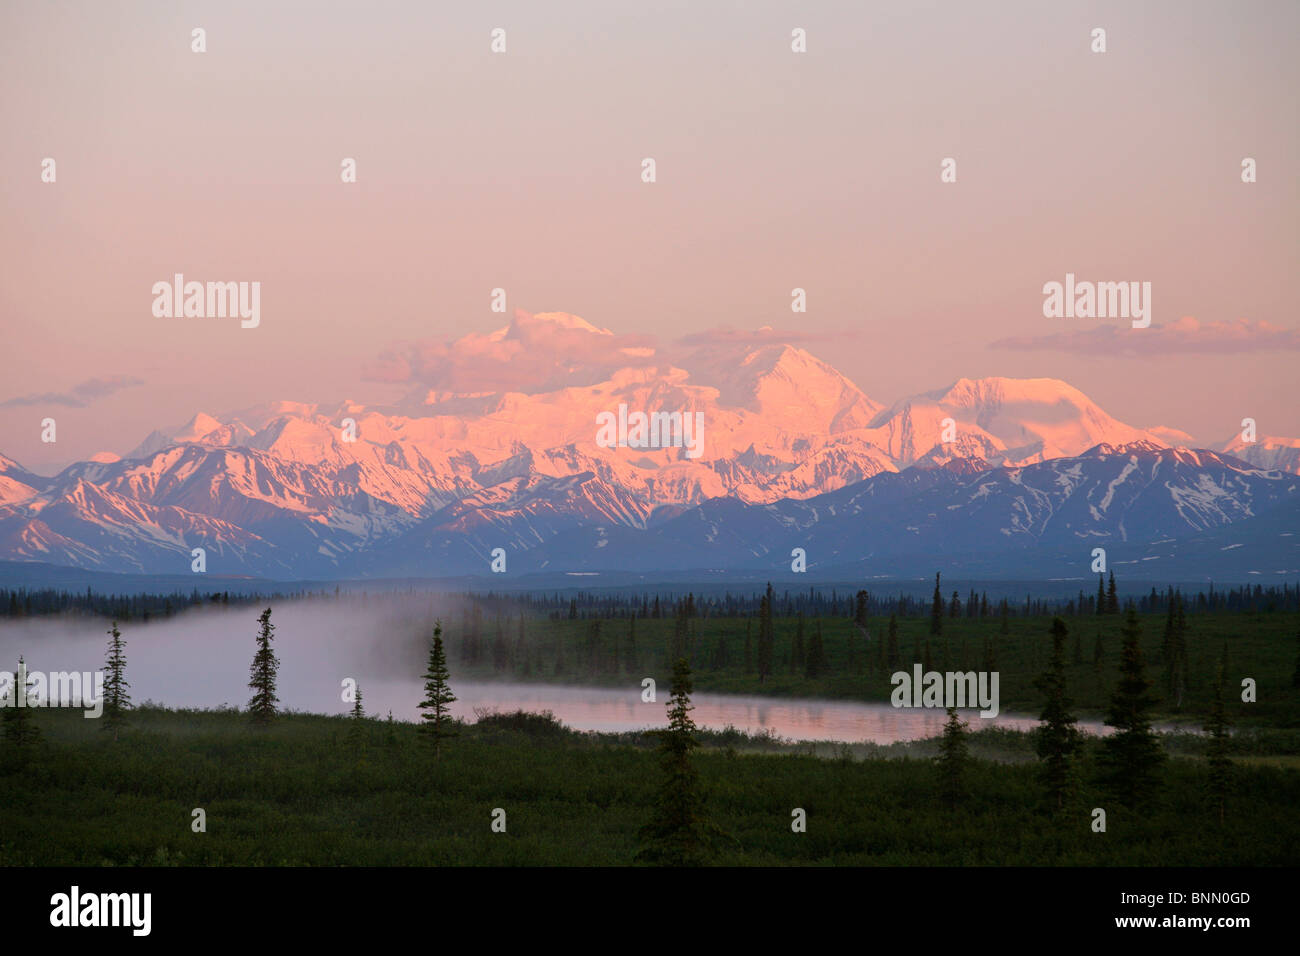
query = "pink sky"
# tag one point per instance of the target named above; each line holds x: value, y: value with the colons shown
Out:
x: 522, y: 171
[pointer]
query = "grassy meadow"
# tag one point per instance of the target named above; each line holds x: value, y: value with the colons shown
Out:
x: 310, y: 791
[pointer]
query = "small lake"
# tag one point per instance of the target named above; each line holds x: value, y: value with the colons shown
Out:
x: 613, y: 710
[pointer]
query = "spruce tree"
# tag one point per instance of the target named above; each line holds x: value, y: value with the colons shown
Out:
x: 19, y: 722
x: 116, y: 700
x: 356, y: 719
x: 1178, y: 647
x: 1132, y: 755
x: 262, y: 673
x: 1217, y: 726
x: 860, y: 609
x: 721, y: 654
x: 1101, y: 594
x: 766, y: 638
x: 953, y: 760
x: 936, y: 608
x: 436, y: 706
x: 677, y: 834
x: 1058, y: 734
x: 1112, y: 596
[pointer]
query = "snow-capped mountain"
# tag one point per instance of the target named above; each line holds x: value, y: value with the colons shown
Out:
x: 790, y: 449
x: 1281, y: 454
x: 1003, y: 420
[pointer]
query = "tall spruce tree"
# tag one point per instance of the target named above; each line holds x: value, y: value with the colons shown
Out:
x: 19, y: 722
x: 860, y: 609
x: 936, y: 608
x: 262, y: 674
x: 1112, y: 596
x: 1217, y: 727
x: 1058, y: 734
x: 1132, y: 755
x: 721, y: 653
x: 1101, y: 593
x: 1178, y: 686
x: 766, y: 636
x: 1173, y: 650
x: 953, y: 760
x: 356, y: 719
x: 116, y: 700
x: 677, y: 834
x: 436, y: 706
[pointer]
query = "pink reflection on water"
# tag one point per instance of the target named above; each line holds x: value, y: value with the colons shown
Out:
x: 615, y: 710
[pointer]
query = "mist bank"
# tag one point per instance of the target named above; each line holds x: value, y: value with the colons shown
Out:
x: 201, y: 659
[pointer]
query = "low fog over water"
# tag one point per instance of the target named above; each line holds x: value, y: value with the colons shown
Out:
x: 200, y: 658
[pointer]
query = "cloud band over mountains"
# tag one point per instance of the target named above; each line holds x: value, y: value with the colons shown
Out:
x: 1186, y: 335
x: 546, y: 351
x: 80, y: 395
x: 535, y: 353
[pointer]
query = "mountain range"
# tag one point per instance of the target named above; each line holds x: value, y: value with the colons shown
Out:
x: 1005, y: 475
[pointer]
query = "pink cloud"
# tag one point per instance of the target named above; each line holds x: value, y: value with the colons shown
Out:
x: 80, y: 395
x: 535, y: 353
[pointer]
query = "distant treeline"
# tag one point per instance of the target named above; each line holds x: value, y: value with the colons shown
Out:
x: 582, y: 605
x: 859, y: 605
x: 34, y: 602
